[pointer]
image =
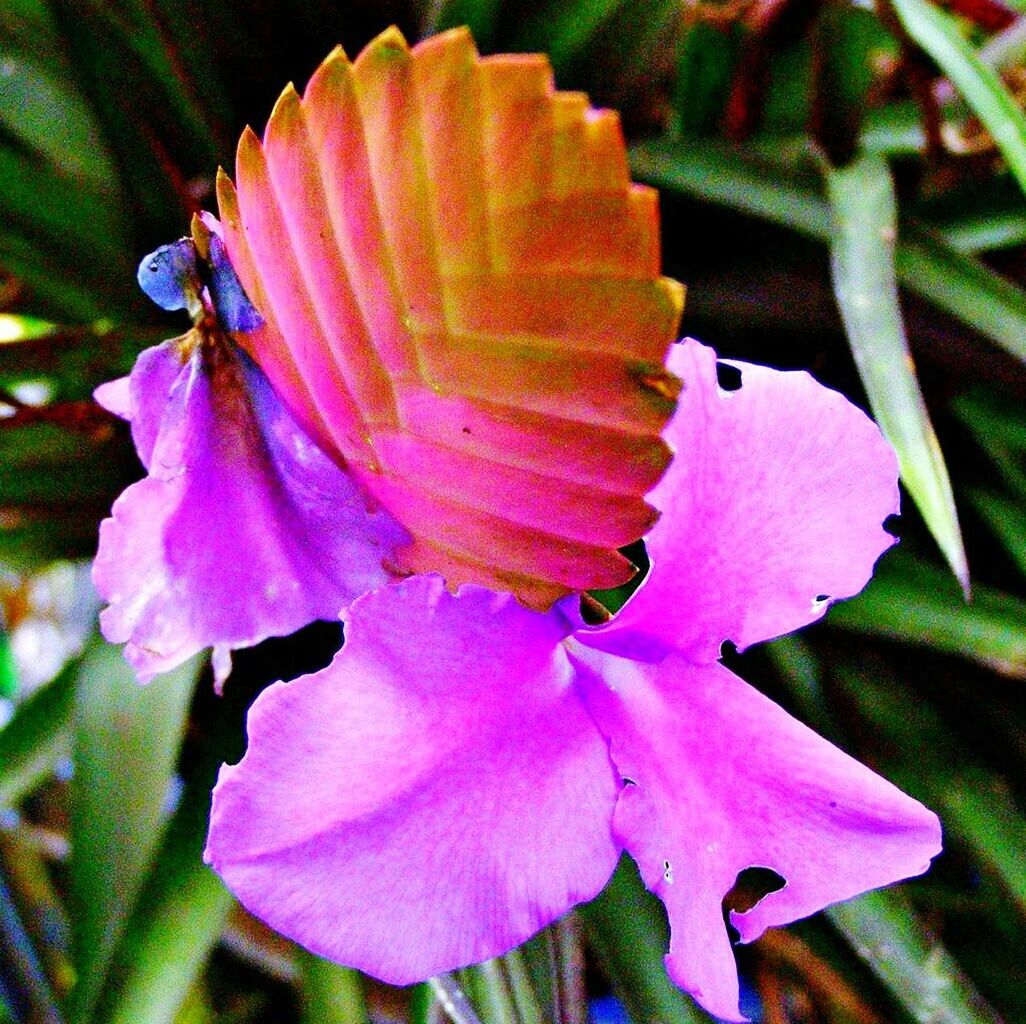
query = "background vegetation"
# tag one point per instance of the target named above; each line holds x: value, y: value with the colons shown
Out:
x: 814, y: 157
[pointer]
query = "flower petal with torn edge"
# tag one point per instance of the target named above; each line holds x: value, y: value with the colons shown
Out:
x: 433, y: 798
x: 722, y: 779
x: 142, y: 397
x: 772, y: 507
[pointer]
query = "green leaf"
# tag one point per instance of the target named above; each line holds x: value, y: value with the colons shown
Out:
x: 41, y: 107
x: 331, y: 994
x: 22, y: 964
x: 564, y: 29
x: 626, y: 930
x: 919, y: 972
x: 720, y: 173
x: 452, y: 999
x: 177, y: 918
x: 706, y: 60
x: 63, y: 236
x: 999, y: 427
x: 895, y: 129
x: 46, y: 463
x: 126, y: 745
x: 848, y: 43
x: 15, y: 328
x: 981, y: 86
x: 579, y: 34
x: 8, y: 669
x: 862, y: 266
x: 931, y: 268
x: 915, y: 604
x: 37, y: 737
x: 30, y: 880
x: 975, y: 803
x: 489, y: 990
x: 925, y: 264
x: 151, y: 118
x: 882, y: 926
x: 1005, y: 517
x: 976, y: 230
x: 71, y: 361
x: 525, y: 998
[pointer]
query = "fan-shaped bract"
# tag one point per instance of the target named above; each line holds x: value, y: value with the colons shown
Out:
x: 462, y: 301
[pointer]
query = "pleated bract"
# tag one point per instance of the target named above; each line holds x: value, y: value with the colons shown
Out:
x: 463, y: 305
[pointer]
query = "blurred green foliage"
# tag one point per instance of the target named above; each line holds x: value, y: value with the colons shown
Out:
x: 813, y: 157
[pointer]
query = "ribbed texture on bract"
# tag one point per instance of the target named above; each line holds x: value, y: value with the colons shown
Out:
x: 462, y: 301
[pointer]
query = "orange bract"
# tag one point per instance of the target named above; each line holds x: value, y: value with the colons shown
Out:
x: 462, y: 301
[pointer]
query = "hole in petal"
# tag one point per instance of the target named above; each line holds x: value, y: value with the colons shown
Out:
x: 752, y: 885
x: 728, y: 377
x: 729, y: 654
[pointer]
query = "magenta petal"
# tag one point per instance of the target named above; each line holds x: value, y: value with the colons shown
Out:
x: 773, y: 504
x: 243, y: 528
x: 432, y: 798
x: 724, y: 779
x: 142, y: 397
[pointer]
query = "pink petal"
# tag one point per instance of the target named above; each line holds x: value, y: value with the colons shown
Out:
x: 242, y: 530
x: 772, y: 505
x: 432, y: 798
x: 116, y: 397
x: 142, y: 397
x: 724, y: 780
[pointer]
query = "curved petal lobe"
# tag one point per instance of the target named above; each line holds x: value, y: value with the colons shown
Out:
x: 772, y: 507
x: 143, y: 397
x: 432, y: 798
x: 724, y: 779
x: 243, y: 528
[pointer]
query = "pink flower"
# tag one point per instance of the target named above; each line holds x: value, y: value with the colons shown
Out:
x: 456, y: 293
x: 243, y: 528
x: 466, y: 770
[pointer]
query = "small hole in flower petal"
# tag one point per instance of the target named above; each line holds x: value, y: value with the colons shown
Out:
x: 821, y: 598
x: 668, y: 872
x: 628, y: 781
x: 728, y: 377
x: 751, y: 886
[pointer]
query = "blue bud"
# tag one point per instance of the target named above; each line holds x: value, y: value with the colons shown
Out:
x: 169, y: 275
